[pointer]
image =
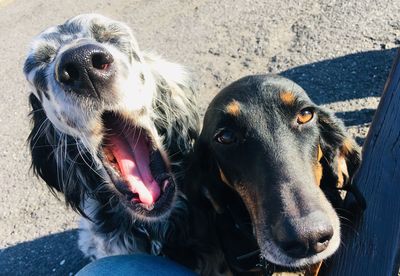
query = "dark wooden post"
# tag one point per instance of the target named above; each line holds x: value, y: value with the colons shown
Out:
x: 375, y: 250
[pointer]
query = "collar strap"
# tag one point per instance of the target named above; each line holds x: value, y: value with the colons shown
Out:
x: 238, y: 243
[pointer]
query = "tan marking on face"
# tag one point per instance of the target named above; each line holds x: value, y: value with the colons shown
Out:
x: 342, y: 171
x: 287, y: 97
x: 318, y: 167
x: 313, y: 270
x: 233, y: 108
x: 320, y: 154
x: 223, y: 177
x: 96, y: 129
x: 318, y: 173
x: 133, y: 116
x: 347, y: 146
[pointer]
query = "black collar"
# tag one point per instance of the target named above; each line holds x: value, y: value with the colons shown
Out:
x: 238, y: 242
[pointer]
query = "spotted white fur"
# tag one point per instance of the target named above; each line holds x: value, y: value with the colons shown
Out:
x: 157, y: 94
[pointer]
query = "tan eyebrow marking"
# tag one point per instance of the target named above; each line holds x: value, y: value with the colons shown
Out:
x: 223, y: 177
x: 287, y: 97
x: 233, y: 108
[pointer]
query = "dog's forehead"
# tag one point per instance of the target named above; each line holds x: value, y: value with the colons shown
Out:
x: 259, y: 91
x: 81, y: 26
x: 96, y: 27
x: 93, y: 25
x: 256, y: 100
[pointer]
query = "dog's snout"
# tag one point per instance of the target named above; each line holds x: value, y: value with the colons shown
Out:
x: 306, y: 236
x: 308, y: 243
x: 85, y: 69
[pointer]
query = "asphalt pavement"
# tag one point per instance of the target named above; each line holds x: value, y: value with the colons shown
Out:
x: 339, y: 51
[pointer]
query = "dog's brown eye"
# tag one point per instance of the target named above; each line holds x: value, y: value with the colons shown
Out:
x: 225, y: 137
x: 305, y: 116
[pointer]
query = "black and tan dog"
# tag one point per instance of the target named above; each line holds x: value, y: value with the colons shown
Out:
x: 268, y: 160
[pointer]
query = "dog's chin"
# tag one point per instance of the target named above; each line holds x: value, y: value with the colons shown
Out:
x: 144, y: 212
x: 273, y: 254
x: 141, y: 177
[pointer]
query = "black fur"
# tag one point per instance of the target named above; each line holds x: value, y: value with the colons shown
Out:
x: 44, y: 141
x: 266, y: 176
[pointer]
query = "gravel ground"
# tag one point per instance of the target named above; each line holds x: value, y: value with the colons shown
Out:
x: 339, y: 51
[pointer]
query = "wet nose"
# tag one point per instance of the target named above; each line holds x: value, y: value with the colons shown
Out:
x: 85, y: 69
x: 309, y: 235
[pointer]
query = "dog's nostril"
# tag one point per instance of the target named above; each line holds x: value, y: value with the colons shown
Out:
x: 295, y: 249
x: 69, y: 73
x: 324, y: 239
x: 322, y: 242
x: 101, y: 61
x: 307, y: 242
x: 320, y: 246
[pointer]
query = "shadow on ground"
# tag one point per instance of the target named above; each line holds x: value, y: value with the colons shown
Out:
x: 349, y: 77
x: 55, y: 254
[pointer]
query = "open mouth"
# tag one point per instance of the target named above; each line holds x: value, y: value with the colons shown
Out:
x: 135, y: 165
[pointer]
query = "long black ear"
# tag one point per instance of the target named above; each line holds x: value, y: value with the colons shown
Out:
x: 205, y: 180
x: 42, y: 151
x: 340, y: 155
x: 44, y: 142
x: 230, y: 218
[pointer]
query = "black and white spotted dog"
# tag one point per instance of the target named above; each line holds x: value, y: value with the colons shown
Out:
x: 111, y: 124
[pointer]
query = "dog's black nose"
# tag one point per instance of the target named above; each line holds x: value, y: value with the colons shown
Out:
x: 300, y: 238
x: 85, y: 69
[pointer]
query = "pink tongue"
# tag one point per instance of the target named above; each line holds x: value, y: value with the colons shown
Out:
x: 132, y: 155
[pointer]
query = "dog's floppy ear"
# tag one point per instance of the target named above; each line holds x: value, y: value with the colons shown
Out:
x: 340, y: 155
x: 206, y: 177
x: 42, y: 151
x: 175, y: 104
x: 43, y: 141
